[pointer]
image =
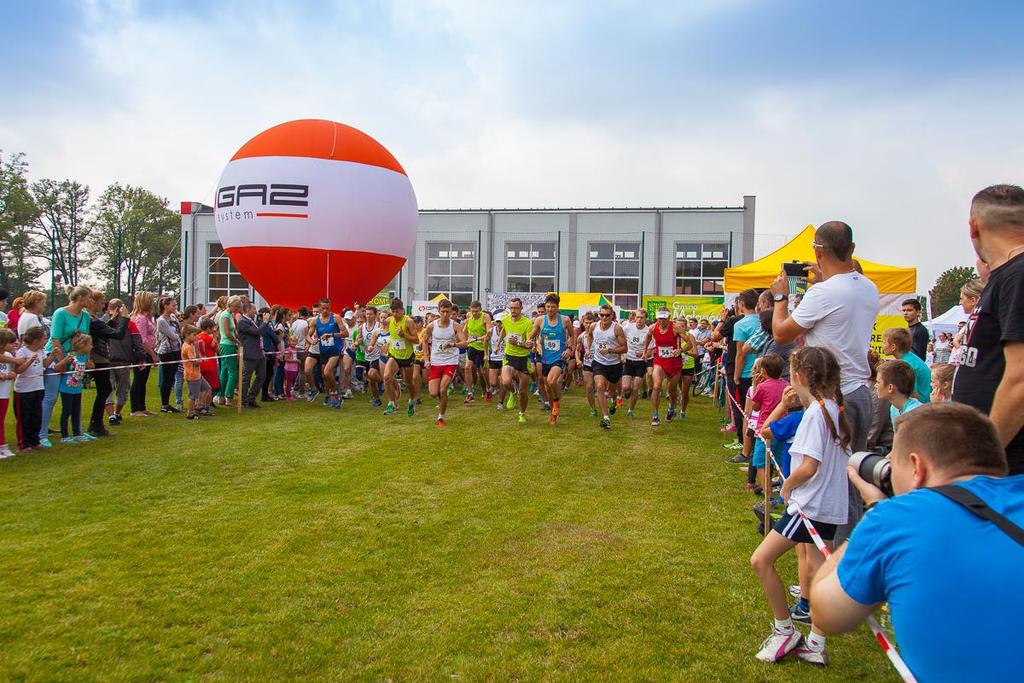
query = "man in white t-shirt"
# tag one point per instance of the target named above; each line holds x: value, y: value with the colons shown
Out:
x: 838, y: 312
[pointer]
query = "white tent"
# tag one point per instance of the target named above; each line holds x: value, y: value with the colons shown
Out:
x: 948, y: 321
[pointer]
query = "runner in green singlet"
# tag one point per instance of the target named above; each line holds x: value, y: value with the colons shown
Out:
x: 515, y: 330
x: 402, y: 334
x: 478, y: 326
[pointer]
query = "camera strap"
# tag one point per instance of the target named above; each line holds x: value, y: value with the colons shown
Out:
x: 980, y: 508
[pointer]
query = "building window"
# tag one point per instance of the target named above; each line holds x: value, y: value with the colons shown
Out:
x: 615, y: 272
x: 222, y: 279
x: 451, y: 271
x: 530, y: 266
x: 700, y: 267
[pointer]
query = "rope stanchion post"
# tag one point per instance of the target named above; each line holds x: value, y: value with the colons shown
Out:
x: 767, y: 485
x: 717, y: 373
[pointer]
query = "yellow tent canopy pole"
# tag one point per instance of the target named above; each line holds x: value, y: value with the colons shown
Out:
x: 760, y: 273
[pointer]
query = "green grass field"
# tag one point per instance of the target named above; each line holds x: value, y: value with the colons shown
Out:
x: 299, y: 542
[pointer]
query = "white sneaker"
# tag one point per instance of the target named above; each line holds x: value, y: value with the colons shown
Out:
x: 811, y: 656
x: 794, y: 590
x: 6, y: 452
x: 778, y: 645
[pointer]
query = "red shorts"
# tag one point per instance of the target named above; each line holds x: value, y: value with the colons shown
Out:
x: 211, y: 378
x: 670, y: 366
x: 439, y: 371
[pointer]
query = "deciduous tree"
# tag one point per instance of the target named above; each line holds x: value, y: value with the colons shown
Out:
x: 946, y: 292
x: 63, y: 226
x: 18, y: 215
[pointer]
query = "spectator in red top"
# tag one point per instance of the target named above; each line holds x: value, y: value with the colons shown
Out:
x: 207, y: 347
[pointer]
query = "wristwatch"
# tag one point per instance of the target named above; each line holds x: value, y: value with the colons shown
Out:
x: 780, y: 297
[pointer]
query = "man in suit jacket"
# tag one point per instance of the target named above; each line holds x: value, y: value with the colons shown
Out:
x: 252, y: 355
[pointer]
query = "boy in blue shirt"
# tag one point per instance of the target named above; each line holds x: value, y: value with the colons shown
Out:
x: 780, y: 427
x: 896, y: 384
x: 896, y: 342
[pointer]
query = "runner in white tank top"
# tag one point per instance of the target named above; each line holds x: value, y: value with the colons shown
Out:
x: 608, y: 342
x: 635, y: 369
x: 442, y: 339
x: 585, y: 359
x: 370, y: 333
x: 495, y: 358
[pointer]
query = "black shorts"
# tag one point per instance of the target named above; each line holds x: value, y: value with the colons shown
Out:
x: 476, y: 356
x: 495, y: 363
x: 792, y: 527
x: 688, y: 372
x: 370, y: 365
x: 327, y: 354
x: 545, y: 367
x: 650, y: 362
x: 517, y: 363
x: 612, y: 373
x: 403, y: 362
x: 635, y: 368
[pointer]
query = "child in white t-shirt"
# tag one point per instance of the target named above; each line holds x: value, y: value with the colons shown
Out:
x: 9, y: 365
x: 817, y: 487
x: 28, y: 387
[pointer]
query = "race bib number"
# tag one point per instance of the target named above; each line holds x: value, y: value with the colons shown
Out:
x: 666, y: 352
x: 636, y: 340
x: 398, y: 344
x: 552, y: 345
x: 447, y: 346
x: 588, y: 356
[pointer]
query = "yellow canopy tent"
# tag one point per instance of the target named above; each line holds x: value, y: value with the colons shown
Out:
x: 894, y: 283
x: 571, y: 301
x: 760, y: 273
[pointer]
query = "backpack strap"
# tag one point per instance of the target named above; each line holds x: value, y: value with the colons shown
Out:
x: 979, y: 508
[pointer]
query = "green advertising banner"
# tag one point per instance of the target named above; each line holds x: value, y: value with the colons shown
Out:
x: 382, y: 300
x: 685, y: 306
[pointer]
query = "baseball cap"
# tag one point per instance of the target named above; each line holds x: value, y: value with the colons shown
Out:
x: 662, y: 315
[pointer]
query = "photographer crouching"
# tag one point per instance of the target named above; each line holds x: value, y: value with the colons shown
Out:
x: 941, y: 566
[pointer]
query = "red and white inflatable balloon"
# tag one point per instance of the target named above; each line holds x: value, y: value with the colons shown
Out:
x: 314, y: 208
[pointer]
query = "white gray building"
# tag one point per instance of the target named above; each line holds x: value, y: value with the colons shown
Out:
x: 624, y: 253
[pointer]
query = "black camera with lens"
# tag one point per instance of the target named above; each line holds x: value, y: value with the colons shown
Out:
x: 874, y: 468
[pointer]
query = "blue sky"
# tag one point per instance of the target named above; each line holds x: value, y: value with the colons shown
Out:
x: 887, y: 115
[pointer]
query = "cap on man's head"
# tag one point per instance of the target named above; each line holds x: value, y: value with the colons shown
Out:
x: 662, y: 315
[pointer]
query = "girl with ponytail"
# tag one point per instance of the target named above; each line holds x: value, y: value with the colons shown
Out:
x: 817, y: 487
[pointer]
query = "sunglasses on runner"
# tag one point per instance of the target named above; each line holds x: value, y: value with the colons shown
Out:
x: 604, y: 315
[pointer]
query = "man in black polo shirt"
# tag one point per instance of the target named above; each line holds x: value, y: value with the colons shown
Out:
x: 991, y: 374
x: 918, y: 332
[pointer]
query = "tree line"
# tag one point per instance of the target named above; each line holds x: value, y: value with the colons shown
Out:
x: 53, y: 233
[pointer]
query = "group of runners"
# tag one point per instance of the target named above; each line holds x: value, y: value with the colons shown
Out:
x: 506, y: 358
